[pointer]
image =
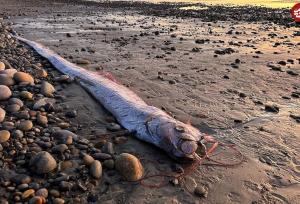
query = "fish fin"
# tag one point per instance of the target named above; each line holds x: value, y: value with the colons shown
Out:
x: 109, y: 76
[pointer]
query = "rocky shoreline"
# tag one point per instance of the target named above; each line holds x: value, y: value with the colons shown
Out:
x: 43, y: 160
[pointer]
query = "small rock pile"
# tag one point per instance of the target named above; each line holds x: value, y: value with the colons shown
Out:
x: 42, y: 159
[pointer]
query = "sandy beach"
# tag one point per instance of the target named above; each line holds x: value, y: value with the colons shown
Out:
x: 231, y: 72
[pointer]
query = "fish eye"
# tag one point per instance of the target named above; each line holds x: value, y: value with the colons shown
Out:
x: 179, y: 128
x: 189, y: 147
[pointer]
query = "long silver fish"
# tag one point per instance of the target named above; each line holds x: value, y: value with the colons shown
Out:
x: 148, y: 123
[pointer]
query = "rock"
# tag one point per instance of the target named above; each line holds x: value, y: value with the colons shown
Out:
x: 58, y: 201
x: 272, y: 108
x: 61, y: 148
x: 42, y: 102
x: 71, y: 114
x: 2, y: 66
x: 5, y: 93
x: 110, y: 164
x: 43, y: 163
x: 88, y: 160
x: 190, y: 184
x: 129, y: 167
x: 102, y: 156
x: 2, y: 115
x: 17, y: 134
x: 37, y: 200
x: 12, y: 108
x: 23, y: 77
x: 21, y: 179
x: 42, y: 120
x: 41, y: 73
x: 113, y: 127
x: 9, y: 72
x: 4, y: 136
x: 65, y: 136
x: 54, y: 193
x: 6, y: 80
x: 25, y: 125
x: 200, y: 191
x: 82, y: 61
x: 26, y: 95
x: 47, y: 89
x: 16, y: 101
x: 27, y: 193
x: 96, y: 169
x: 42, y: 192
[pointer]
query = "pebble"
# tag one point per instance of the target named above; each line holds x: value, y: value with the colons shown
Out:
x: 2, y: 115
x: 21, y: 179
x: 2, y: 66
x: 27, y: 193
x: 61, y: 148
x: 25, y: 125
x: 88, y: 160
x: 16, y: 101
x: 26, y: 95
x: 113, y: 127
x: 5, y: 93
x: 110, y: 164
x: 102, y: 156
x: 200, y: 191
x: 272, y: 108
x: 129, y: 167
x: 23, y: 77
x: 96, y: 169
x: 47, y: 89
x: 58, y: 201
x: 12, y: 108
x: 37, y: 200
x: 54, y: 193
x: 41, y: 73
x: 4, y: 136
x: 6, y: 80
x: 9, y: 72
x: 65, y: 136
x: 43, y: 162
x: 42, y: 120
x: 42, y: 192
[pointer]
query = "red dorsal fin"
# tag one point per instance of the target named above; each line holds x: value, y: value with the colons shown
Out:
x: 109, y: 76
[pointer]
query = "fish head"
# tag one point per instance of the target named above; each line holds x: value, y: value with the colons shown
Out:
x: 180, y: 140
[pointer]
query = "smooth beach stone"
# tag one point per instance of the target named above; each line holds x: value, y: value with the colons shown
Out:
x: 23, y: 77
x: 42, y: 192
x: 6, y: 80
x: 88, y: 160
x: 37, y: 200
x: 42, y: 120
x: 26, y: 95
x: 2, y: 115
x: 65, y: 136
x: 58, y: 201
x: 4, y: 136
x: 5, y: 93
x: 129, y: 167
x: 25, y: 125
x: 27, y: 193
x: 47, y: 89
x: 42, y: 163
x: 16, y: 101
x: 2, y: 66
x: 96, y: 169
x: 9, y: 72
x: 41, y: 73
x: 12, y: 108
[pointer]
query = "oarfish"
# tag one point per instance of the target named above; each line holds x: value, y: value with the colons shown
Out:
x: 148, y: 123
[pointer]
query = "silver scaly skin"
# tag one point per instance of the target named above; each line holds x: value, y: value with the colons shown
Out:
x: 149, y: 123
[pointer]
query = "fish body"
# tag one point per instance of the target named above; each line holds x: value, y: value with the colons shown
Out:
x: 148, y: 123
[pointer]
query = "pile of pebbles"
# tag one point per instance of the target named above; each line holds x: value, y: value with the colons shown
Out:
x: 42, y: 159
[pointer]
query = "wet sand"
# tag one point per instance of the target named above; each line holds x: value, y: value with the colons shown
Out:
x: 223, y: 76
